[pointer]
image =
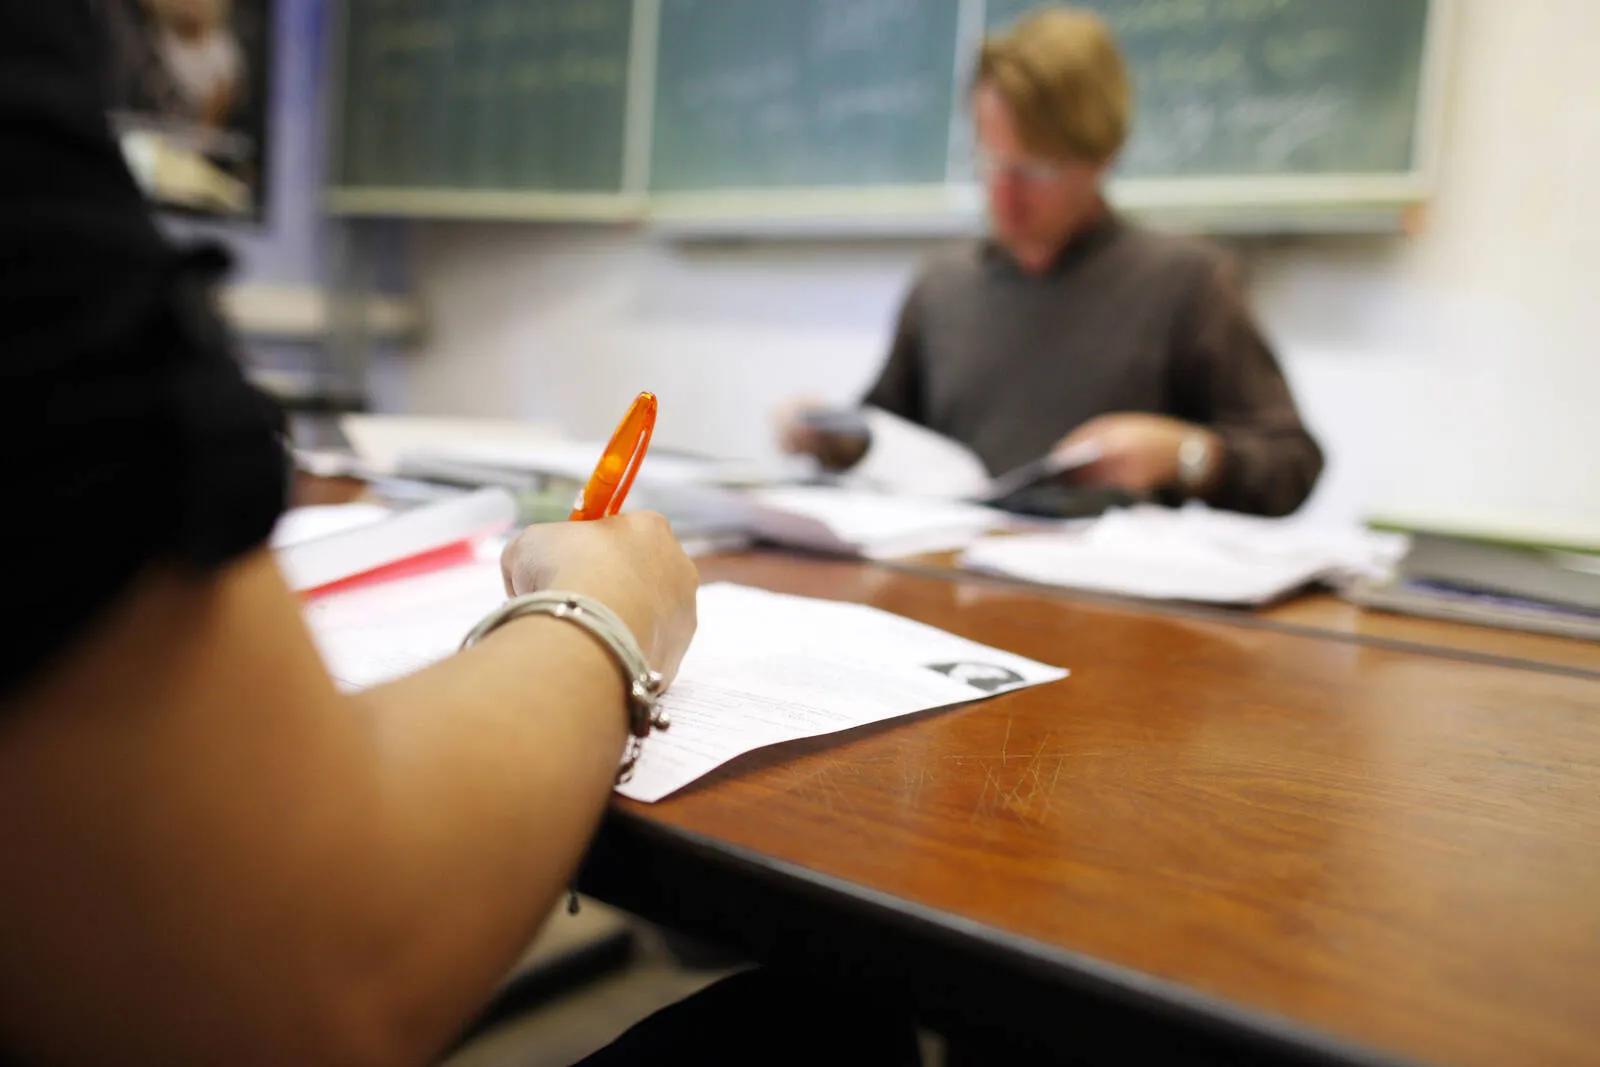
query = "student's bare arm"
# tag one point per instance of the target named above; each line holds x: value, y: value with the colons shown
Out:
x: 212, y: 855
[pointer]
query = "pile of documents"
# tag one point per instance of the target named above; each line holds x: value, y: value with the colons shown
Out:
x: 1467, y: 579
x: 398, y: 445
x: 857, y: 523
x: 915, y: 492
x: 713, y: 504
x: 1192, y: 553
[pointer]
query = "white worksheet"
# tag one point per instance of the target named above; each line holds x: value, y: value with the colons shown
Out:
x: 764, y: 667
x: 767, y: 667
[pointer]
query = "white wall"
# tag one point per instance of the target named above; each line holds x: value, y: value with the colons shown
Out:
x: 1459, y: 372
x: 1455, y: 373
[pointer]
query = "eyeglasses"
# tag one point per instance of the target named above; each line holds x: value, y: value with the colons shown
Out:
x: 1030, y: 172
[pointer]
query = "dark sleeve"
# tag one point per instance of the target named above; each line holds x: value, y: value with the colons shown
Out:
x: 1227, y: 379
x: 898, y: 389
x: 130, y: 434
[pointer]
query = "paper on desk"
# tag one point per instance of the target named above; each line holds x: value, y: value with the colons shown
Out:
x: 382, y: 441
x: 1193, y: 553
x: 867, y: 524
x: 763, y: 668
x: 576, y: 459
x: 386, y: 443
x: 299, y: 525
x: 768, y: 667
x: 848, y: 522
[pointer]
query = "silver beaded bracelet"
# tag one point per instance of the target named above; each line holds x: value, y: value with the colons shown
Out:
x: 644, y: 685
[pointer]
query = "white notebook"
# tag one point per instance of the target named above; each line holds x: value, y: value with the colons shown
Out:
x: 346, y: 552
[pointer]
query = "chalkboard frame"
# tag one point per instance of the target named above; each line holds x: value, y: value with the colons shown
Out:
x: 1218, y: 204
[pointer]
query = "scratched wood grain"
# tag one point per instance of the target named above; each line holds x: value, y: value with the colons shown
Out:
x: 1396, y: 848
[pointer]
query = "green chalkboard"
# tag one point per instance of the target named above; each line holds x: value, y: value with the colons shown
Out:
x: 484, y: 94
x: 1266, y: 87
x: 444, y: 100
x: 787, y: 93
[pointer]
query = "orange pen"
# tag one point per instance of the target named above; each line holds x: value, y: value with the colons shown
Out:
x: 613, y: 475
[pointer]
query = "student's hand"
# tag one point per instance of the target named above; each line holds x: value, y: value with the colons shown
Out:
x: 631, y: 563
x: 797, y: 437
x: 1138, y: 452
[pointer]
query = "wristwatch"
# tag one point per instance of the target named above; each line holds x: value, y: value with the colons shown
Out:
x: 1196, y: 461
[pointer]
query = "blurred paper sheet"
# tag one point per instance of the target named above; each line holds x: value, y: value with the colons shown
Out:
x: 867, y: 524
x: 911, y: 459
x: 1189, y: 554
x: 575, y: 460
x: 382, y: 441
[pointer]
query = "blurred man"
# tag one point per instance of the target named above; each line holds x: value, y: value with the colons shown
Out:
x: 1070, y: 324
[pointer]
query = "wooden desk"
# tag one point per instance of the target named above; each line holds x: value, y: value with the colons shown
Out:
x: 1327, y: 615
x: 1210, y: 842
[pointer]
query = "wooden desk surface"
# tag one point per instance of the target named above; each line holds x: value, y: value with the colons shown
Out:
x: 1398, y: 850
x: 1324, y: 613
x: 1330, y: 614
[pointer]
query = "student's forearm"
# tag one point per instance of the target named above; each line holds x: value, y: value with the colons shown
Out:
x: 495, y: 767
x: 278, y: 872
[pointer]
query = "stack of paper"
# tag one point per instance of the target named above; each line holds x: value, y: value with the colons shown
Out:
x: 1525, y: 587
x: 1189, y: 554
x: 491, y: 449
x: 763, y: 668
x: 858, y: 523
x: 576, y: 459
x: 383, y: 441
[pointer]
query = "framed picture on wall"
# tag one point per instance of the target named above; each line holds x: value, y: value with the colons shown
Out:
x: 188, y: 83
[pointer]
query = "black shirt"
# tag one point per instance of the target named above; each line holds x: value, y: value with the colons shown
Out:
x: 130, y: 435
x: 1125, y: 319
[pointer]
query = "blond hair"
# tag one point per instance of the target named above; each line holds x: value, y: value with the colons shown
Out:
x: 212, y: 14
x: 1064, y: 80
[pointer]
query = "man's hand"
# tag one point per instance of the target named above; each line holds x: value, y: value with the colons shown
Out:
x: 797, y: 436
x: 1139, y: 452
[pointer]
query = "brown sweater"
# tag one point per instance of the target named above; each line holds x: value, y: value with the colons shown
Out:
x: 1008, y: 363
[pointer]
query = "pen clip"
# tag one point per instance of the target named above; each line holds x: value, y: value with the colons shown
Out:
x: 608, y: 487
x: 646, y: 413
